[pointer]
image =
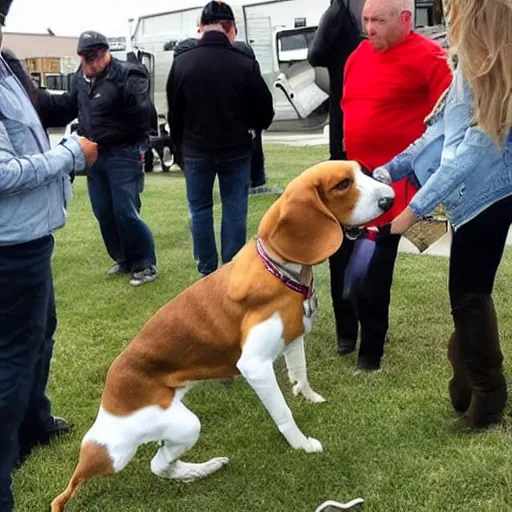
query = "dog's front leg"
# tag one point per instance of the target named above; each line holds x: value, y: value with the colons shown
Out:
x: 260, y: 375
x: 295, y: 358
x: 262, y: 346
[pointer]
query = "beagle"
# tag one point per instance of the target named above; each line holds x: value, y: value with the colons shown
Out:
x: 237, y: 320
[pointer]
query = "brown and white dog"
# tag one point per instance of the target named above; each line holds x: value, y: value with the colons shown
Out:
x: 237, y: 320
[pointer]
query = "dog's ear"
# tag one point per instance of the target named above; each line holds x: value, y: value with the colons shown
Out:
x: 299, y: 227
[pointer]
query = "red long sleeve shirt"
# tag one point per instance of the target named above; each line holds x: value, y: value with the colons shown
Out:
x: 386, y: 97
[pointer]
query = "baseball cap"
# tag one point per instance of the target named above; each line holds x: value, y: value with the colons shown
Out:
x: 216, y: 11
x: 91, y: 40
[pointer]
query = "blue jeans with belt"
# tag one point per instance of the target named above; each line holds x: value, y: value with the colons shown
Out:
x: 234, y: 172
x: 27, y: 324
x: 115, y: 183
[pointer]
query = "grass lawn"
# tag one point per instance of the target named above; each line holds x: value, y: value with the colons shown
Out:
x: 387, y: 438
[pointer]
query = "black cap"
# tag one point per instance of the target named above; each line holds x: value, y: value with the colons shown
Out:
x: 216, y: 11
x: 91, y: 40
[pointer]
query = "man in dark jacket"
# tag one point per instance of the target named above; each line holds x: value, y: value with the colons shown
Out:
x: 217, y: 99
x: 258, y: 176
x: 337, y: 36
x: 111, y: 99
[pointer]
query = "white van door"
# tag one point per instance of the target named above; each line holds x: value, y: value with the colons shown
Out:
x: 297, y: 78
x: 259, y: 37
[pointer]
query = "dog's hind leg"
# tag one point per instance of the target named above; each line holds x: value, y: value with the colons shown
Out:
x: 106, y: 449
x: 95, y: 460
x: 295, y: 358
x: 180, y: 435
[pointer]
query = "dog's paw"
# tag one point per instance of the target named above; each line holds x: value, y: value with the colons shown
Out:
x: 306, y: 391
x: 312, y: 446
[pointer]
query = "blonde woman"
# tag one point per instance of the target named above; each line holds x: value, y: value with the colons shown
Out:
x: 464, y: 161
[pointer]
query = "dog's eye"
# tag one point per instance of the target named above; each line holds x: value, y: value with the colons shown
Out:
x: 344, y: 184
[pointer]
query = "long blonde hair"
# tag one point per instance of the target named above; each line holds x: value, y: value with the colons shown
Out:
x: 481, y: 37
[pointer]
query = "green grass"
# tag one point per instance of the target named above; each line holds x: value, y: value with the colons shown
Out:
x: 387, y: 437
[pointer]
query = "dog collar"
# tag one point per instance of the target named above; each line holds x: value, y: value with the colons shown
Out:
x: 272, y: 267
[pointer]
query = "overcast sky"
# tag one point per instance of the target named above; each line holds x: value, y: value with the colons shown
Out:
x: 70, y: 18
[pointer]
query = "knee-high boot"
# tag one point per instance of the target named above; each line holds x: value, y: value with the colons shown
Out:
x: 476, y: 331
x: 458, y: 386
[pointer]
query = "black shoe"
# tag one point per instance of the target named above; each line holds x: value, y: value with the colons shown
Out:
x: 345, y: 347
x: 365, y: 365
x: 347, y: 327
x: 58, y: 427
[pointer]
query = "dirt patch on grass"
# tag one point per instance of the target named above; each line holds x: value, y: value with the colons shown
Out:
x: 424, y: 233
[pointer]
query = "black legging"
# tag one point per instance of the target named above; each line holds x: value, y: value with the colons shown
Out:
x: 477, y: 248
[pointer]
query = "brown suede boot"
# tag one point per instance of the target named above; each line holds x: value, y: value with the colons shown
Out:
x: 476, y: 329
x: 458, y: 386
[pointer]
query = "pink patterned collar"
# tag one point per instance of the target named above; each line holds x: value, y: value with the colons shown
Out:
x: 287, y: 280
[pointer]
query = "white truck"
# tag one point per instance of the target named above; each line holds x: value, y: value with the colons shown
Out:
x: 279, y: 32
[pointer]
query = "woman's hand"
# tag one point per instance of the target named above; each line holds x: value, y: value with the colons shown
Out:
x: 400, y: 224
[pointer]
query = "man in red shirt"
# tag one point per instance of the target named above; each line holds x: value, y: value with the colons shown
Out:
x: 392, y: 81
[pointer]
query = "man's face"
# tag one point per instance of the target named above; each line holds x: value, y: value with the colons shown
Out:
x: 94, y: 62
x: 385, y: 25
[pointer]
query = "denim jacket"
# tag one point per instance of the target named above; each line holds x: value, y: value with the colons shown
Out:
x: 455, y: 163
x: 34, y: 180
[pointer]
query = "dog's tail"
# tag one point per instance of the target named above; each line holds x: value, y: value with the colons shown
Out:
x: 94, y: 461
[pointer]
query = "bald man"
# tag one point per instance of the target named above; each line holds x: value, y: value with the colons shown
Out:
x: 392, y: 81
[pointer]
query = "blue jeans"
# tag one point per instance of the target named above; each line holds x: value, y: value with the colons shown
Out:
x: 234, y: 180
x: 28, y: 321
x: 115, y: 183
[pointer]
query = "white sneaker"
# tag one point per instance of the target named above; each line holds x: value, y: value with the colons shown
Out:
x: 144, y: 276
x: 265, y: 190
x: 117, y: 269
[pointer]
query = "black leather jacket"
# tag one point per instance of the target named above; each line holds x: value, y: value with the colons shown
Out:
x: 114, y: 110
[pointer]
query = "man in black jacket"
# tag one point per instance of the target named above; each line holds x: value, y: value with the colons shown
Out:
x: 258, y: 176
x: 337, y: 36
x: 111, y: 99
x: 217, y: 99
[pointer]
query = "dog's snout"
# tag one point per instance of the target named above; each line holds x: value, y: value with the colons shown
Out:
x: 385, y: 203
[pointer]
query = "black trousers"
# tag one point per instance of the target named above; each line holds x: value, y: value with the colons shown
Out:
x: 371, y: 308
x: 336, y: 151
x: 476, y: 252
x: 258, y: 177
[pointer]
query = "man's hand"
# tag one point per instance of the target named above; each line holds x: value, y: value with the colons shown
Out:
x: 90, y: 150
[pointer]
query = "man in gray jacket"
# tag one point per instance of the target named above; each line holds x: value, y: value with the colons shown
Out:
x: 34, y: 186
